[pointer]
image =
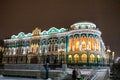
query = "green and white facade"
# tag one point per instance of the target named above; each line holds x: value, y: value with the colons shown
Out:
x: 82, y: 45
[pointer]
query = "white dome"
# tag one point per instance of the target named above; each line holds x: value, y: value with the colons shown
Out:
x: 84, y: 25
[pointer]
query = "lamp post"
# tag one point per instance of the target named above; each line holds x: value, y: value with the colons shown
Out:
x: 113, y: 55
x: 109, y: 53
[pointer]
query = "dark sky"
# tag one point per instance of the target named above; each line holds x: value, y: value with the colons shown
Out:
x: 24, y: 15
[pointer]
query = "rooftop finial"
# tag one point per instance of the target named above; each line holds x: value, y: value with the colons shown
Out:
x: 36, y: 31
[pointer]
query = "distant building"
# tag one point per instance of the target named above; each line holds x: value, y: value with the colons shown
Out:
x: 82, y: 45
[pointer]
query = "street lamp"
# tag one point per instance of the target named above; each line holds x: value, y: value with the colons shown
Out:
x: 108, y: 53
x: 61, y: 51
x: 113, y: 55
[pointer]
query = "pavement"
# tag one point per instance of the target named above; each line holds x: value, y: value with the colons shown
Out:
x: 100, y: 75
x: 16, y: 78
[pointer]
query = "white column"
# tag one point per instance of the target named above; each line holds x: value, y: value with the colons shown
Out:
x: 14, y: 51
x: 24, y: 50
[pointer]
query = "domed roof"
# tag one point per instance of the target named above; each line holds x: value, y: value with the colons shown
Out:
x: 83, y: 25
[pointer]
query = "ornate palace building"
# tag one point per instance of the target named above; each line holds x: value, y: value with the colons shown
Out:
x: 82, y: 45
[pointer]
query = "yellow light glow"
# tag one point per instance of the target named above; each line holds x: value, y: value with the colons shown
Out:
x: 90, y: 43
x: 113, y: 55
x: 83, y: 43
x: 108, y: 50
x: 31, y: 48
x: 92, y: 58
x: 84, y: 58
x: 98, y: 56
x: 76, y: 58
x: 77, y: 46
x: 97, y: 44
x: 77, y: 43
x: 70, y: 58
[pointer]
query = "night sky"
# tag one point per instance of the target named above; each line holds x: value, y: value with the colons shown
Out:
x: 24, y: 15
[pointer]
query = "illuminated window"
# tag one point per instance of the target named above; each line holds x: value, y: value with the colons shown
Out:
x: 98, y: 58
x: 97, y: 44
x: 92, y: 58
x: 83, y: 43
x: 84, y: 57
x: 70, y: 58
x: 76, y: 44
x: 76, y: 58
x: 70, y: 44
x: 74, y: 48
x: 31, y: 48
x: 90, y: 43
x: 34, y: 48
x: 52, y: 45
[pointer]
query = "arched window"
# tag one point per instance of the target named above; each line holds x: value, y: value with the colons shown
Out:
x: 52, y: 44
x: 56, y: 47
x: 90, y: 42
x: 83, y: 43
x: 84, y: 57
x: 76, y: 58
x: 76, y: 43
x: 98, y: 58
x: 96, y: 44
x: 92, y: 58
x: 70, y: 58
